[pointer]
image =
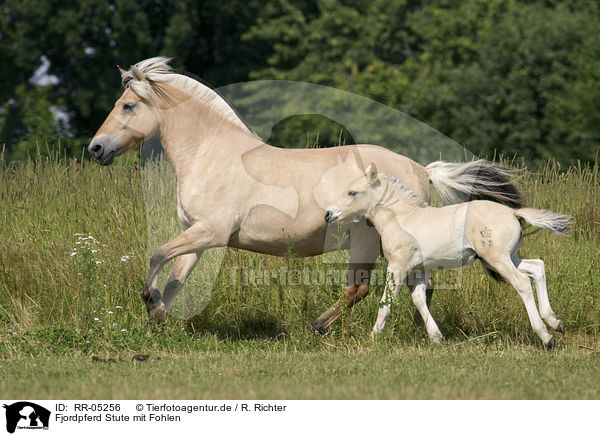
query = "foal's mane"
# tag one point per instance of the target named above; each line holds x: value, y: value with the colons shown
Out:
x: 146, y: 77
x: 401, y: 188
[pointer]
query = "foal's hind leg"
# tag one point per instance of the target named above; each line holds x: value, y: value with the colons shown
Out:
x: 535, y: 269
x: 522, y: 284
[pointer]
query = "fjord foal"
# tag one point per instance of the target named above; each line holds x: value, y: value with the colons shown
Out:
x: 416, y: 236
x: 235, y: 190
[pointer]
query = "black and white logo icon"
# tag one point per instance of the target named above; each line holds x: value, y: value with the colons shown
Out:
x: 26, y: 415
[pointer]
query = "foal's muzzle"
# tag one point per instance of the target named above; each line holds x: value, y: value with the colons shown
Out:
x: 332, y: 215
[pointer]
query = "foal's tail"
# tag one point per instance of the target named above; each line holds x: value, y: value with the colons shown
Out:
x: 475, y: 180
x: 546, y: 219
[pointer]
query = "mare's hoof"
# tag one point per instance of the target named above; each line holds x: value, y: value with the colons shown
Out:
x: 550, y: 344
x: 157, y: 313
x: 316, y: 328
x: 560, y: 328
x: 322, y: 323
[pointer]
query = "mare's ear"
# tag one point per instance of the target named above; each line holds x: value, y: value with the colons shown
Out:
x: 371, y: 173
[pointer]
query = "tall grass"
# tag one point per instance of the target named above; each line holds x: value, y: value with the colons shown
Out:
x: 75, y: 239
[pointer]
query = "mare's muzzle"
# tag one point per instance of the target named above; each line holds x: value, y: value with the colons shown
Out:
x: 103, y: 149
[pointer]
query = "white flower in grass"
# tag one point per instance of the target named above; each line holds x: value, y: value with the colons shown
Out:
x: 125, y: 258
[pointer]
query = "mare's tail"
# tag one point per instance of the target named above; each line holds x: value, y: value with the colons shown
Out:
x: 475, y: 180
x: 546, y: 219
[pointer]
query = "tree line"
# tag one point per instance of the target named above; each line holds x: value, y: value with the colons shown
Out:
x: 496, y: 76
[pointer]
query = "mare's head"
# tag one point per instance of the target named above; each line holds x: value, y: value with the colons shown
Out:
x: 358, y: 198
x: 136, y: 114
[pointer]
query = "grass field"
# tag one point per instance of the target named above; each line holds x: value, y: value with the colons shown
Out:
x: 74, y: 242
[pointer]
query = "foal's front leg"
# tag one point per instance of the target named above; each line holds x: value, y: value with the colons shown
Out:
x: 419, y: 297
x: 394, y: 279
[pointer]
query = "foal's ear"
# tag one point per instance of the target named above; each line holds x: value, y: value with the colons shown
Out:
x: 371, y: 173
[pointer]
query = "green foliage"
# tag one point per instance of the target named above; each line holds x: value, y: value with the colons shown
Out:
x: 85, y: 40
x: 506, y: 76
x: 510, y: 73
x: 494, y: 76
x: 28, y: 122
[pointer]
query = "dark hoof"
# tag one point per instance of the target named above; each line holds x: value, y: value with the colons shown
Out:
x: 322, y: 323
x: 561, y: 328
x: 316, y: 328
x: 157, y: 313
x: 549, y: 345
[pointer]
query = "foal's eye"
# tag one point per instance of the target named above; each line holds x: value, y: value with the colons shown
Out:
x: 128, y: 107
x: 352, y: 193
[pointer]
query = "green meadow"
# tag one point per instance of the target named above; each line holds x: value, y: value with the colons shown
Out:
x: 75, y: 239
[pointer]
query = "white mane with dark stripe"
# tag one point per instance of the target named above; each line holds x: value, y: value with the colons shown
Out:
x: 401, y: 188
x: 145, y: 77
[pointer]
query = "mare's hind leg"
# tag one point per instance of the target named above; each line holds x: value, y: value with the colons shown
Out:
x: 535, y: 269
x: 522, y: 284
x: 364, y: 251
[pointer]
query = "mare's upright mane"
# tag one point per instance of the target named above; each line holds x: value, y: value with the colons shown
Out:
x: 145, y: 77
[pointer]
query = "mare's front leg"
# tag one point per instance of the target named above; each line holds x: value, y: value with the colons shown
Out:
x: 194, y: 240
x: 184, y: 265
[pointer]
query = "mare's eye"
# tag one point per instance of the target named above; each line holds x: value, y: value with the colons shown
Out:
x: 352, y: 193
x: 128, y: 107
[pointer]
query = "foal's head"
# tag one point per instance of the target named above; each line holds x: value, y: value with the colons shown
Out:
x: 357, y: 200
